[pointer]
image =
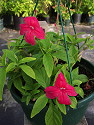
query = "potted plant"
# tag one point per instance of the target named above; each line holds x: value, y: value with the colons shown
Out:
x: 45, y: 77
x: 7, y: 14
x: 88, y: 11
x: 65, y: 13
x: 77, y: 5
x: 19, y: 10
x: 42, y: 12
x: 91, y: 13
x: 24, y: 8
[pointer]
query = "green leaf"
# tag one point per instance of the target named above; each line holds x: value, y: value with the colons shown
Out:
x: 29, y: 83
x: 10, y: 67
x: 1, y: 64
x: 42, y: 78
x: 38, y: 62
x: 82, y: 78
x: 52, y: 36
x: 39, y: 105
x: 2, y: 80
x: 70, y: 37
x: 11, y: 55
x: 9, y: 84
x: 62, y: 107
x: 56, y: 47
x: 28, y: 70
x: 12, y: 44
x: 18, y: 84
x: 75, y: 74
x: 27, y: 78
x: 34, y: 92
x: 64, y: 69
x: 4, y: 58
x: 53, y: 116
x: 78, y: 40
x: 28, y: 99
x: 80, y: 91
x: 48, y: 64
x: 23, y: 99
x: 76, y: 82
x: 26, y: 59
x: 46, y: 44
x: 60, y: 55
x: 28, y: 86
x: 74, y: 102
x: 73, y: 53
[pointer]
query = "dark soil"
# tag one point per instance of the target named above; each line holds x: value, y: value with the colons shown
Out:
x: 87, y: 87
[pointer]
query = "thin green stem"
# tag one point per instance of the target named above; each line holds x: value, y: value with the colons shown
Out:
x: 41, y: 48
x: 35, y: 7
x: 22, y: 39
x: 66, y: 47
x: 72, y: 21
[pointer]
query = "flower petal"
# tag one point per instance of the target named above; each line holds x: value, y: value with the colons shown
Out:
x: 23, y: 29
x: 70, y: 90
x: 52, y: 92
x: 64, y: 99
x: 31, y: 21
x: 29, y: 37
x: 60, y: 81
x: 39, y: 33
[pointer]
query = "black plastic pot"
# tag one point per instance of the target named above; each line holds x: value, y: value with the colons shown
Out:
x: 73, y: 115
x: 67, y: 22
x: 84, y: 18
x: 91, y: 19
x: 7, y: 19
x: 77, y: 18
x: 40, y: 17
x: 17, y: 21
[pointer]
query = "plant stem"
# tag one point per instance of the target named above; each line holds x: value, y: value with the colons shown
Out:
x: 66, y: 47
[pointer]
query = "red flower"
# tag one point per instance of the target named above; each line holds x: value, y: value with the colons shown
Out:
x: 31, y: 29
x: 73, y: 1
x: 61, y: 90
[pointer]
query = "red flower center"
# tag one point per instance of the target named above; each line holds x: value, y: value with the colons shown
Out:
x: 62, y: 88
x: 32, y: 27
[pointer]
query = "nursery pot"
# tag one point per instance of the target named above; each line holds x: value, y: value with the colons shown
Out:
x: 91, y: 19
x: 84, y: 18
x: 17, y: 21
x: 1, y: 24
x: 7, y: 19
x: 72, y: 117
x: 77, y: 18
x: 67, y: 22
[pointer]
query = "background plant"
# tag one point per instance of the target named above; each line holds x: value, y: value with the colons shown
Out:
x: 64, y: 10
x: 21, y: 7
x: 77, y: 5
x: 25, y: 8
x: 3, y: 7
x: 88, y: 6
x: 44, y: 7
